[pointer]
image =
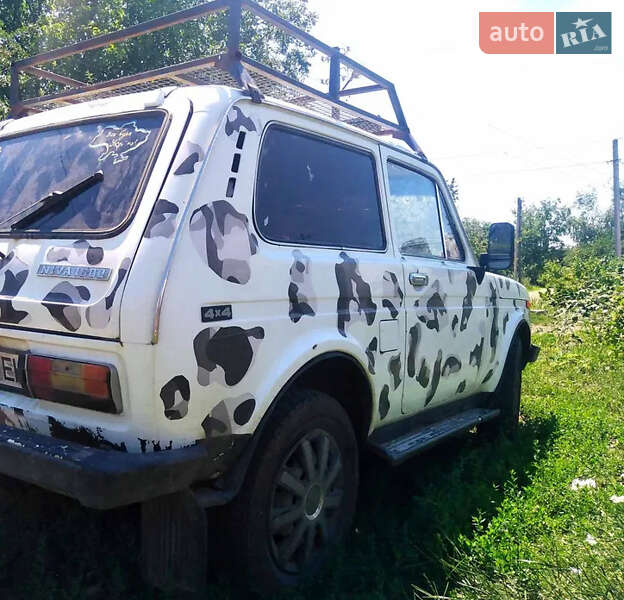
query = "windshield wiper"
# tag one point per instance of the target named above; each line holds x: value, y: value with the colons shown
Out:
x: 31, y: 213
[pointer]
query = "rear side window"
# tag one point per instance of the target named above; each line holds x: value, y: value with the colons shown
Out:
x: 314, y: 191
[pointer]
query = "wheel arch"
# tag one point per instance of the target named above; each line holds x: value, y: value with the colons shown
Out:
x: 339, y: 375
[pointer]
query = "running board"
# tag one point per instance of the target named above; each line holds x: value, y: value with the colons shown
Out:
x: 401, y: 448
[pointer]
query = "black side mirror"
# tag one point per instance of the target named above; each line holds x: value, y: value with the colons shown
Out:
x: 500, y: 254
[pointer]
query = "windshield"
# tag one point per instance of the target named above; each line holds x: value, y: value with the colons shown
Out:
x: 34, y: 165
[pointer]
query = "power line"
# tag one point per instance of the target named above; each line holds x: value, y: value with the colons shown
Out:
x: 547, y: 168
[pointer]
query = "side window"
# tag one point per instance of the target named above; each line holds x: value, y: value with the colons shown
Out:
x: 313, y: 191
x: 452, y: 244
x: 414, y: 213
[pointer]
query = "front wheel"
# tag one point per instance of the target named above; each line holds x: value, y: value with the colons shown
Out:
x: 299, y: 497
x: 506, y: 397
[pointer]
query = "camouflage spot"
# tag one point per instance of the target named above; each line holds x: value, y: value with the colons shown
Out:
x: 98, y: 315
x: 394, y: 368
x: 436, y: 310
x: 77, y: 253
x: 226, y: 354
x: 488, y: 376
x: 384, y: 402
x: 391, y: 287
x: 162, y: 220
x: 221, y: 236
x: 476, y: 354
x: 193, y: 154
x: 461, y: 387
x: 176, y: 394
x: 243, y: 412
x: 217, y: 423
x: 471, y: 289
x: 414, y: 338
x: 423, y: 374
x: 370, y: 354
x: 236, y: 120
x: 300, y: 290
x: 15, y: 274
x: 435, y: 379
x: 505, y: 321
x: 451, y: 366
x: 494, y: 331
x: 62, y: 300
x: 352, y: 289
x: 394, y: 313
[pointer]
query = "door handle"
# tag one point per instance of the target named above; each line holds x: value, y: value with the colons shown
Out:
x: 418, y: 279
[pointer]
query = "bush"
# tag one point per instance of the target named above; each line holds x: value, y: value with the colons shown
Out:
x: 587, y: 292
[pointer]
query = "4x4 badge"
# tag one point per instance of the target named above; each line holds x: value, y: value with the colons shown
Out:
x: 73, y: 272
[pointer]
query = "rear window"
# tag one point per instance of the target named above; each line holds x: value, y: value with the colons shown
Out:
x: 314, y: 191
x: 34, y: 165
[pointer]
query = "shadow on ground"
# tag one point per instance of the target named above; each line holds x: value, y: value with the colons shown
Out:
x: 407, y: 521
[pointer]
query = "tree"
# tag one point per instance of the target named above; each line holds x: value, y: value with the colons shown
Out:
x: 477, y: 232
x: 543, y: 228
x: 453, y: 188
x: 29, y: 27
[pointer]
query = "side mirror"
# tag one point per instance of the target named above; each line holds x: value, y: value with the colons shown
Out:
x: 500, y: 254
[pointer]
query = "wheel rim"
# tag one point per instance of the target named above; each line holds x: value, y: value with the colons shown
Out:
x: 305, y: 501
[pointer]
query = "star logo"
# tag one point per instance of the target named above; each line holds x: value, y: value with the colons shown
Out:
x: 581, y: 23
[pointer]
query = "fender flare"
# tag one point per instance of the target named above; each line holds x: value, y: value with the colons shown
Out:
x: 229, y: 485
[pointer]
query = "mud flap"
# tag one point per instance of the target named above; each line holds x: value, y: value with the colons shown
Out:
x: 174, y: 542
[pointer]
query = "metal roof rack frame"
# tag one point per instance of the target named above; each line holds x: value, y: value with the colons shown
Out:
x: 230, y: 68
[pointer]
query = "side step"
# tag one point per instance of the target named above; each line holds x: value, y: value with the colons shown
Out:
x: 401, y: 448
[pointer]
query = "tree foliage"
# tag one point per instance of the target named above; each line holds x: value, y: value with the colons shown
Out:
x: 477, y: 232
x: 544, y: 226
x: 30, y: 27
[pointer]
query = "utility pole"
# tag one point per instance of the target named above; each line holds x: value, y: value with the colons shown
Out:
x: 517, y: 266
x: 616, y: 200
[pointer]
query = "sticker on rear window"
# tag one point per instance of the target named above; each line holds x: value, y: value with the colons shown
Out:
x: 117, y: 142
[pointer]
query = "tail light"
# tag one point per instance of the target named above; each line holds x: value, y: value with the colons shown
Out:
x: 88, y: 385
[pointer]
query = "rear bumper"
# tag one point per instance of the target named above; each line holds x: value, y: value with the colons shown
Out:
x: 109, y: 478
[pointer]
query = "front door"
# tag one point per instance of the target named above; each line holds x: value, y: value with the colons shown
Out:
x: 439, y: 288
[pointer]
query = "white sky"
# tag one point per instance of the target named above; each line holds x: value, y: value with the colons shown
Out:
x: 502, y: 125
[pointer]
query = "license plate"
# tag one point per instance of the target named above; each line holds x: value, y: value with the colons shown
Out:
x: 11, y: 370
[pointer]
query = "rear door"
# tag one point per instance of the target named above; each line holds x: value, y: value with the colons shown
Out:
x: 439, y: 287
x: 65, y: 270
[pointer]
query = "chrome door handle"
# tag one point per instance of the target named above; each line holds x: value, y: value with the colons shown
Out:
x: 418, y: 279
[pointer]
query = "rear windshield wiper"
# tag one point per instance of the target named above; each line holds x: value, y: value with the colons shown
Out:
x: 31, y: 213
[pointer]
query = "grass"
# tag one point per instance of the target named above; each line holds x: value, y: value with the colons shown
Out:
x: 467, y: 520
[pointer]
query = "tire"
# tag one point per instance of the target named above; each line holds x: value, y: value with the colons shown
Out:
x: 506, y: 397
x: 299, y: 496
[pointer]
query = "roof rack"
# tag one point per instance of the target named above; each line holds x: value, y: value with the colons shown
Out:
x: 230, y: 68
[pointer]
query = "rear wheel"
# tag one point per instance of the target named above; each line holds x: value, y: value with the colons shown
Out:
x: 299, y: 496
x: 506, y: 397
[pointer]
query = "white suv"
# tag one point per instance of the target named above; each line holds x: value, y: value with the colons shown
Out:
x: 225, y: 303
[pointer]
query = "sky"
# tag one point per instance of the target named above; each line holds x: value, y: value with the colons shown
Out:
x: 534, y: 126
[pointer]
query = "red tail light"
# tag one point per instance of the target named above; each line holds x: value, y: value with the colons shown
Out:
x: 88, y: 385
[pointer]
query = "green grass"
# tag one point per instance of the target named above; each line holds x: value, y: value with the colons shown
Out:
x: 470, y: 519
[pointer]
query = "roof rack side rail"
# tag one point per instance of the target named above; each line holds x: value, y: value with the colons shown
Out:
x: 230, y: 67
